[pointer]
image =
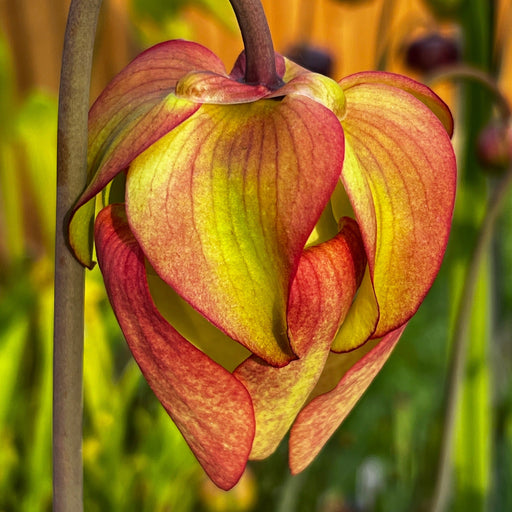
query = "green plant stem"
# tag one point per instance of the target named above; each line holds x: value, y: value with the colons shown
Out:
x: 69, y: 274
x: 474, y: 219
x: 460, y: 342
x: 259, y: 49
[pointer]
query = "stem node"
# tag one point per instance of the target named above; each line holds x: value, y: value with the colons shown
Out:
x: 259, y: 49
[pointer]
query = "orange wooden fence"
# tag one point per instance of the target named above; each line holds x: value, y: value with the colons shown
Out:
x: 354, y: 34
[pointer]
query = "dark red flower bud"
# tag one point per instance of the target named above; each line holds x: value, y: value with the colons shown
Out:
x: 431, y: 52
x: 494, y: 146
x: 312, y: 58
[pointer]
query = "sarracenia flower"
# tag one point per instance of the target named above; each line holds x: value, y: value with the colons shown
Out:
x: 272, y: 243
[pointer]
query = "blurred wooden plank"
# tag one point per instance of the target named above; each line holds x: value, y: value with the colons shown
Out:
x: 34, y: 31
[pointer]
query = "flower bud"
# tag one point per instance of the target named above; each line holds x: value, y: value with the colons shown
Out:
x: 494, y: 146
x: 431, y: 52
x: 312, y: 58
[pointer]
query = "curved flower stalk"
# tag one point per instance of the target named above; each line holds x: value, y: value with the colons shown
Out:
x: 272, y: 243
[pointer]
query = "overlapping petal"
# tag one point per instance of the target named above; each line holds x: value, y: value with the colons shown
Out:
x: 126, y: 108
x: 417, y: 89
x: 400, y: 175
x: 193, y: 326
x: 223, y: 205
x: 211, y: 408
x: 318, y: 87
x: 214, y: 88
x: 226, y: 184
x: 327, y: 279
x: 321, y: 417
x: 134, y: 111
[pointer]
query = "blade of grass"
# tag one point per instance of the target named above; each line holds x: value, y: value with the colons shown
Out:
x: 38, y: 493
x: 472, y: 458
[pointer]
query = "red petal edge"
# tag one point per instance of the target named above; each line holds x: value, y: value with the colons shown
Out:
x: 327, y: 279
x: 417, y: 89
x: 211, y: 408
x: 320, y: 418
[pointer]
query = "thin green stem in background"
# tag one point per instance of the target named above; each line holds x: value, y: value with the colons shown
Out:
x: 69, y: 274
x: 465, y: 311
x: 463, y: 480
x: 460, y: 342
x: 464, y: 73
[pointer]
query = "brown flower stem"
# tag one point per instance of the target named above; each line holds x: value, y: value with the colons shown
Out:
x: 465, y: 72
x: 69, y: 274
x: 259, y: 49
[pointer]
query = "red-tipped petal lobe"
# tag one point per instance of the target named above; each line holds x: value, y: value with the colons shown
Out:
x: 223, y: 205
x: 135, y: 110
x: 318, y: 87
x: 138, y: 106
x: 417, y: 89
x: 400, y: 175
x: 211, y: 408
x: 213, y: 88
x: 322, y: 291
x: 320, y: 418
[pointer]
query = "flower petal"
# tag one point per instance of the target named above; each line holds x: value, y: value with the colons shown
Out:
x: 417, y: 89
x: 214, y: 88
x: 400, y: 175
x: 208, y: 87
x: 223, y: 205
x: 361, y: 321
x: 320, y: 418
x: 135, y: 110
x: 210, y: 407
x: 193, y: 326
x: 322, y: 291
x: 315, y: 86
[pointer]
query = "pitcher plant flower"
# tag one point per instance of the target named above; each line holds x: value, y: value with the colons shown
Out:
x: 273, y: 240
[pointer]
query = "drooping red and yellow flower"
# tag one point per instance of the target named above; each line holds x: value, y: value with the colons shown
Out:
x: 286, y: 236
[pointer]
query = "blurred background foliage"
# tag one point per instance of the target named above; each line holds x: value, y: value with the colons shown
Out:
x: 385, y: 456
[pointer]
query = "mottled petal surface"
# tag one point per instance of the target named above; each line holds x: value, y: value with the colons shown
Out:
x: 195, y: 327
x: 208, y: 87
x: 135, y: 110
x: 211, y: 408
x: 417, y: 89
x: 322, y: 291
x: 321, y: 417
x: 223, y: 205
x: 317, y: 87
x: 400, y: 176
